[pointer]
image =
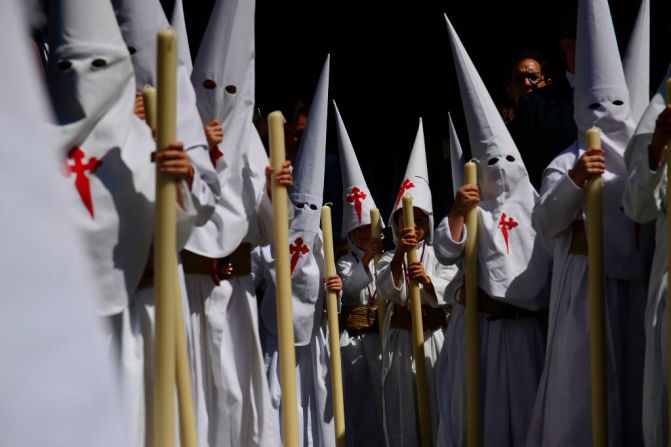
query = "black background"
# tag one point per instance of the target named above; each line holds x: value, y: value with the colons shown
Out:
x: 391, y: 63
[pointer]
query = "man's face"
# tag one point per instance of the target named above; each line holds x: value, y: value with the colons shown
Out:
x: 525, y: 77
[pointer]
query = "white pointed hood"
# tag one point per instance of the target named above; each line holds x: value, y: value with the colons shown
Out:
x: 601, y: 97
x: 308, y: 188
x: 507, y: 241
x: 223, y: 79
x: 179, y: 23
x: 456, y: 157
x: 89, y: 71
x: 357, y: 199
x: 305, y: 243
x: 140, y: 21
x: 636, y: 62
x: 106, y: 148
x: 601, y: 100
x: 415, y: 183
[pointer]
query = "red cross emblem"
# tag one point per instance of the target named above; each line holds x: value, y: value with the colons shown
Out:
x: 79, y: 168
x: 356, y: 196
x: 405, y: 186
x: 506, y: 225
x: 215, y: 155
x: 296, y: 252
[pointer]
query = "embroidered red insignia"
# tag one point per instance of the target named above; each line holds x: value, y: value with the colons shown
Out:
x: 356, y: 196
x: 405, y: 186
x: 215, y: 155
x: 506, y: 225
x: 79, y: 168
x: 297, y: 251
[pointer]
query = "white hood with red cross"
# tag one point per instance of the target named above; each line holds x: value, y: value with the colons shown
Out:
x: 506, y: 238
x: 357, y: 199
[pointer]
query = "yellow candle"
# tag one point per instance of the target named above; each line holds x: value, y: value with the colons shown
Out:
x: 334, y: 331
x: 472, y: 317
x: 285, y: 325
x: 187, y: 418
x: 376, y: 233
x: 422, y: 400
x: 165, y: 251
x: 149, y: 98
x: 597, y: 316
x: 668, y: 231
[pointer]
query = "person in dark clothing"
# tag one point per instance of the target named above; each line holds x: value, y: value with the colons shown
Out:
x: 544, y: 124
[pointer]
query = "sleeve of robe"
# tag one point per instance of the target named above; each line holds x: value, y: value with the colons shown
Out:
x: 385, y: 281
x: 355, y: 277
x: 642, y: 198
x: 440, y: 275
x: 448, y: 251
x: 560, y: 200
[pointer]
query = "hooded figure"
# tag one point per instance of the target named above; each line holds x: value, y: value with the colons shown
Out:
x: 227, y: 362
x: 645, y: 201
x: 313, y: 382
x: 513, y: 270
x: 601, y: 100
x: 91, y: 79
x: 106, y: 150
x: 58, y: 385
x: 360, y: 340
x: 636, y: 62
x: 140, y: 21
x: 394, y: 273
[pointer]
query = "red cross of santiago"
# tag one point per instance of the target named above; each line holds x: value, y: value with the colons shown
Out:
x: 506, y: 225
x: 297, y: 251
x: 215, y: 155
x: 79, y: 168
x: 405, y: 186
x: 356, y: 196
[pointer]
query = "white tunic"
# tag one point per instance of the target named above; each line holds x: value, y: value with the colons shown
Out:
x: 231, y: 388
x: 313, y: 379
x: 361, y: 357
x: 644, y: 201
x: 511, y: 359
x: 562, y: 413
x: 398, y: 362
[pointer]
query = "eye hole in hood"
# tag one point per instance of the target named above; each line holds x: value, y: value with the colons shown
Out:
x: 493, y: 161
x: 618, y: 102
x: 99, y: 63
x: 209, y: 84
x: 231, y: 89
x: 510, y: 158
x: 594, y: 106
x: 64, y: 65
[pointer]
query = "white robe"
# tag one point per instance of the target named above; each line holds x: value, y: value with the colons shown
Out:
x: 511, y: 359
x: 231, y: 388
x: 361, y: 359
x: 132, y: 339
x: 398, y: 362
x: 313, y: 378
x: 644, y: 201
x: 562, y: 413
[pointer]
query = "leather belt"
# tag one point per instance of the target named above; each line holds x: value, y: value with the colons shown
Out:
x: 359, y: 320
x: 238, y: 263
x: 433, y: 318
x: 494, y: 308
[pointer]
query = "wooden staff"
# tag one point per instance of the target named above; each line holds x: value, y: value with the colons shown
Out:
x: 149, y: 100
x: 668, y: 232
x: 187, y: 418
x: 423, y: 413
x: 165, y: 251
x: 334, y: 331
x: 472, y: 317
x: 597, y: 314
x: 285, y: 325
x: 376, y: 233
